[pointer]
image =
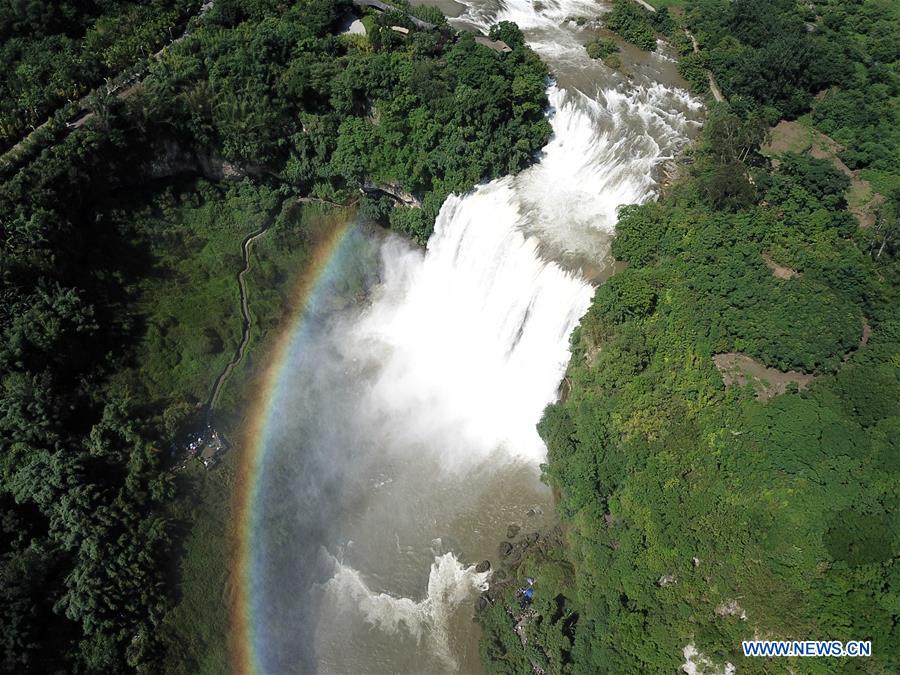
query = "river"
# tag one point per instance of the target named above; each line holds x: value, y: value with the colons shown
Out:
x: 405, y: 439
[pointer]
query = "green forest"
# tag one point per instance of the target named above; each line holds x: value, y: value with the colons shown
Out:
x: 121, y: 244
x: 55, y: 53
x: 699, y: 513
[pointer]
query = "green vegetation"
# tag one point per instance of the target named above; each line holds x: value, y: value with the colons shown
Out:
x: 425, y: 12
x: 425, y: 113
x: 549, y: 631
x: 56, y: 52
x: 193, y: 232
x: 121, y: 246
x: 834, y: 63
x: 703, y: 514
x: 641, y: 27
x: 632, y: 22
x: 194, y: 635
x: 161, y: 284
x: 677, y: 5
x: 601, y: 48
x: 782, y: 54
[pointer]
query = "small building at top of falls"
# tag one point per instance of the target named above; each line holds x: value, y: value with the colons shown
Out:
x: 496, y: 45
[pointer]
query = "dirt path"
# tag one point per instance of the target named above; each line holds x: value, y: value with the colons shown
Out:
x: 713, y: 87
x: 246, y: 318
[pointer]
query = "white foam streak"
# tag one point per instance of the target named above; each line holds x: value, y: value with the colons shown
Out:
x: 450, y: 584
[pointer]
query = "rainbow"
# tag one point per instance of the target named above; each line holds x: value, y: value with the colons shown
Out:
x: 324, y: 266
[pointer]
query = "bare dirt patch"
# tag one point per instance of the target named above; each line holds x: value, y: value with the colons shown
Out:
x: 739, y: 370
x: 795, y: 137
x: 866, y: 334
x: 788, y: 137
x: 779, y: 271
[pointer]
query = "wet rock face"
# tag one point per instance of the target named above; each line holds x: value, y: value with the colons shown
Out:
x: 395, y: 191
x: 483, y: 566
x: 512, y: 531
x: 505, y: 549
x: 171, y: 158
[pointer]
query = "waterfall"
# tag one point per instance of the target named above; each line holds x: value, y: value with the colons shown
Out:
x: 473, y: 336
x: 413, y: 419
x: 465, y: 344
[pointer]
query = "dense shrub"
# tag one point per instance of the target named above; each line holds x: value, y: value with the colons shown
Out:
x: 633, y: 23
x: 700, y: 514
x: 601, y: 48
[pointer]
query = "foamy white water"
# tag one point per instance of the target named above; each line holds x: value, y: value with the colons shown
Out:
x: 450, y: 584
x: 472, y: 336
x: 425, y: 403
x: 603, y: 154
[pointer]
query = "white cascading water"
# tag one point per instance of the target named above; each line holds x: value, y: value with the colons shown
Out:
x: 590, y: 168
x: 449, y: 585
x: 466, y: 343
x: 472, y: 337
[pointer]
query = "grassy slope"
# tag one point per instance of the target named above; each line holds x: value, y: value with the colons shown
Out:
x: 189, y: 326
x: 196, y: 631
x: 189, y: 316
